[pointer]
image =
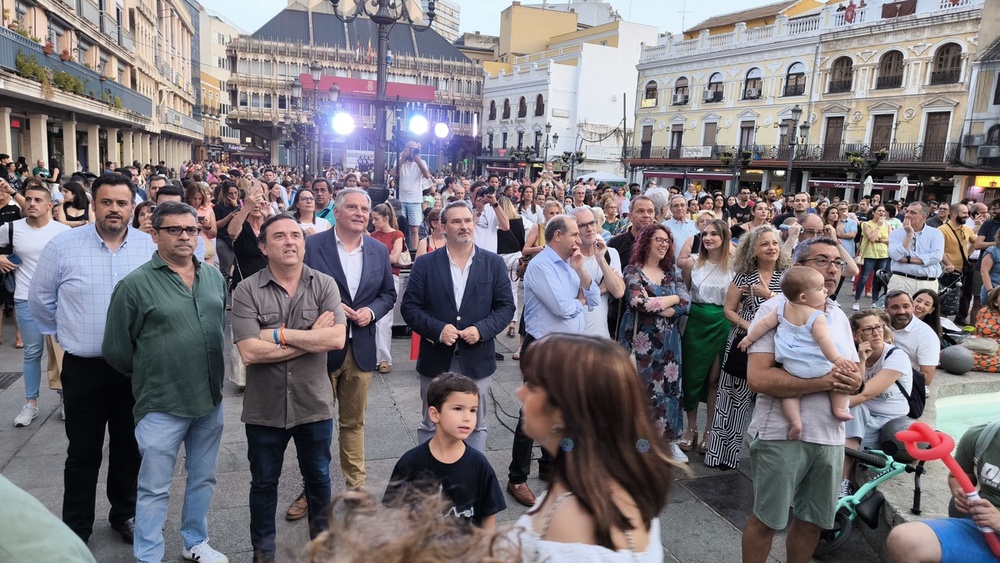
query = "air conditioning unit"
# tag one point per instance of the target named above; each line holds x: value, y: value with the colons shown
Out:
x: 752, y: 93
x: 973, y: 140
x: 680, y: 99
x: 989, y: 151
x: 708, y: 96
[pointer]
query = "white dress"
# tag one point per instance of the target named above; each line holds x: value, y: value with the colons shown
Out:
x: 535, y: 549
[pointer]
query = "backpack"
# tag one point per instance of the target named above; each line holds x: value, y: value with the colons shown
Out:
x: 918, y: 398
x: 985, y: 438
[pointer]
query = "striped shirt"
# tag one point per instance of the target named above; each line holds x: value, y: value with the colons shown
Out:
x: 71, y: 289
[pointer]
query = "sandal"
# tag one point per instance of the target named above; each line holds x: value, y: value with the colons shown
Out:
x: 689, y: 440
x: 515, y: 356
x: 705, y: 439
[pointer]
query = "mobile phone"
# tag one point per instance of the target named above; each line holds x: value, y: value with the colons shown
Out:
x: 14, y: 259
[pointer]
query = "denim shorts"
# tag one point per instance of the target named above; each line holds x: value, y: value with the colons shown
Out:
x: 414, y: 215
x: 961, y: 541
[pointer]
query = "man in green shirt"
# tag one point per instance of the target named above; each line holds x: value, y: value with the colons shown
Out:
x: 165, y: 330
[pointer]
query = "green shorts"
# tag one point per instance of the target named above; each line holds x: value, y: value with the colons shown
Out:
x: 792, y: 473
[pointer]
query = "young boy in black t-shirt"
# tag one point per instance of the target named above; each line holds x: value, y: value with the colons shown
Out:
x: 462, y: 474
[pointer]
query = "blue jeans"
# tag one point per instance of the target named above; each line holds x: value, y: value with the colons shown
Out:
x: 870, y: 265
x: 159, y: 436
x: 34, y: 345
x: 266, y: 451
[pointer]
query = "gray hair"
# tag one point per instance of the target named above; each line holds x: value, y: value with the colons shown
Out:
x: 171, y: 208
x: 659, y: 196
x: 557, y: 224
x: 453, y: 205
x: 678, y: 196
x: 342, y: 194
x: 803, y: 249
x: 924, y: 208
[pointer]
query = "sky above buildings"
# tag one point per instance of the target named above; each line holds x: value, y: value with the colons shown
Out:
x: 484, y: 15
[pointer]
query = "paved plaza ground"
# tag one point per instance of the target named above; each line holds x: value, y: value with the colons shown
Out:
x: 701, y: 523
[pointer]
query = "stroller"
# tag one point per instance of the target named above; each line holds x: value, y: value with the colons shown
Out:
x: 949, y: 292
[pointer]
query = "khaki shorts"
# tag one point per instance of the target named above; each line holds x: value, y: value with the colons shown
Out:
x: 792, y: 473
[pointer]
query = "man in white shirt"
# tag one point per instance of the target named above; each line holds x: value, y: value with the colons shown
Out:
x: 489, y: 218
x: 579, y: 193
x: 916, y: 252
x: 681, y: 225
x: 409, y: 171
x: 604, y: 266
x: 913, y: 335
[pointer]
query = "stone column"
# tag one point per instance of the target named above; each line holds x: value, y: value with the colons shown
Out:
x: 5, y: 138
x: 114, y: 147
x: 128, y: 147
x: 275, y: 144
x: 38, y: 122
x: 69, y: 146
x: 144, y: 148
x: 94, y: 149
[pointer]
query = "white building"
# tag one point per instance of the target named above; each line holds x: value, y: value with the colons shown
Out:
x: 447, y: 17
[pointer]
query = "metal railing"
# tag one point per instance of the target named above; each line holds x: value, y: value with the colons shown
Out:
x: 946, y: 76
x: 794, y: 89
x: 930, y: 153
x: 93, y: 86
x: 840, y: 86
x: 178, y: 119
x: 89, y: 11
x: 889, y: 81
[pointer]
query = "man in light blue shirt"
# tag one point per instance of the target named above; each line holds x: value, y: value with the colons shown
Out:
x: 681, y: 225
x: 69, y: 297
x: 916, y: 251
x: 557, y: 287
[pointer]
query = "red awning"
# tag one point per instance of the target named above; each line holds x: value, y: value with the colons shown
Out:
x: 359, y: 87
x: 689, y: 175
x: 848, y: 184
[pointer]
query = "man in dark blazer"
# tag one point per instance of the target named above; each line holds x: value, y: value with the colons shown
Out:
x: 360, y: 265
x: 458, y: 300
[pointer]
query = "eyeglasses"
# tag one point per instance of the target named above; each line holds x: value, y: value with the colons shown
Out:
x: 868, y: 331
x: 812, y: 233
x: 824, y: 262
x: 176, y: 231
x: 307, y: 199
x: 587, y: 224
x: 660, y: 241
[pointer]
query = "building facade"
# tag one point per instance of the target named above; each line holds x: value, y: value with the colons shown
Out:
x: 80, y: 86
x: 447, y: 18
x: 427, y: 75
x: 220, y: 140
x: 879, y: 91
x: 981, y: 143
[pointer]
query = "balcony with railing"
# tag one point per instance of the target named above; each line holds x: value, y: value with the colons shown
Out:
x: 889, y: 81
x: 835, y: 153
x: 840, y: 86
x: 71, y: 76
x: 177, y: 119
x: 90, y: 11
x: 946, y: 76
x: 126, y: 39
x: 794, y: 89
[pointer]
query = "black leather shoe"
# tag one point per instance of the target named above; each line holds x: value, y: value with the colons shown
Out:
x: 499, y: 356
x: 126, y: 529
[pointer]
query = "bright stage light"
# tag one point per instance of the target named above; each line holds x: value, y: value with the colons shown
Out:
x: 343, y: 124
x: 418, y: 125
x: 441, y: 130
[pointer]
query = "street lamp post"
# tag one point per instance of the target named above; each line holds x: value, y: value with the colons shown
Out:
x: 572, y: 158
x: 384, y: 14
x: 555, y: 140
x: 791, y: 130
x: 316, y: 72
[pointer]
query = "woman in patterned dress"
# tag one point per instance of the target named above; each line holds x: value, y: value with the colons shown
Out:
x: 758, y: 264
x: 988, y: 326
x: 649, y: 329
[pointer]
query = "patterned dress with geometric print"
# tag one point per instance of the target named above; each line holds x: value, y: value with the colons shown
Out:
x: 987, y: 326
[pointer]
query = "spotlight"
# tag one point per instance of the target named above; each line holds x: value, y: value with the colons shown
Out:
x: 418, y: 125
x: 441, y: 130
x: 343, y: 124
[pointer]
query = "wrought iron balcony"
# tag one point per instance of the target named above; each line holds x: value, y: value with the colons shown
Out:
x: 840, y: 86
x: 889, y: 81
x: 947, y: 76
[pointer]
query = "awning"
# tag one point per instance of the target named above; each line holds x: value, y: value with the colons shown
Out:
x: 688, y: 175
x: 502, y: 169
x: 849, y: 185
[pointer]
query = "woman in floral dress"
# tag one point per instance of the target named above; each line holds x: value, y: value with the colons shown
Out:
x: 656, y: 301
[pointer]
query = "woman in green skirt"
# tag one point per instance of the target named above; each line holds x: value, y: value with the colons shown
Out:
x: 704, y: 341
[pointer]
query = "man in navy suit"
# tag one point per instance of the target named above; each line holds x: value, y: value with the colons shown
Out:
x: 458, y: 299
x: 360, y: 265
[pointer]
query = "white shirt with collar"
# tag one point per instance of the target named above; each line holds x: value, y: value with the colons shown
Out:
x: 352, y: 262
x: 919, y: 342
x: 460, y: 276
x: 486, y: 229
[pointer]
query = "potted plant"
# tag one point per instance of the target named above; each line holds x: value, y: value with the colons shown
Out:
x: 64, y: 55
x: 49, y: 48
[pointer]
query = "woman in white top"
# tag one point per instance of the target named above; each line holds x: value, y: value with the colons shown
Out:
x: 609, y: 480
x: 304, y: 212
x: 704, y: 342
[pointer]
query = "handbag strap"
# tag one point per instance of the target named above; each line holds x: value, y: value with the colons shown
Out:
x: 898, y: 384
x: 960, y: 248
x: 635, y: 327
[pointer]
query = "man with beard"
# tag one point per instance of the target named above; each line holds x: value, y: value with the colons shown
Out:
x: 988, y: 232
x: 742, y: 211
x: 800, y: 208
x: 958, y: 242
x: 913, y: 335
x: 458, y: 300
x: 69, y: 298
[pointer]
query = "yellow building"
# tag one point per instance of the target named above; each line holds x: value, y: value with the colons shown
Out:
x: 843, y: 82
x: 981, y: 144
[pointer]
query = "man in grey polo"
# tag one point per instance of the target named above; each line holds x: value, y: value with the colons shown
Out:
x: 285, y: 318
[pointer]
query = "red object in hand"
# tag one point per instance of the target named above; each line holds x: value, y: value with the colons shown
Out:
x: 941, y: 446
x: 414, y: 345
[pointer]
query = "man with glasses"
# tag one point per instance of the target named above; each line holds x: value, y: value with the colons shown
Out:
x: 604, y: 267
x: 324, y: 199
x: 940, y: 215
x: 811, y: 226
x: 742, y: 210
x: 68, y: 298
x: 912, y: 335
x: 173, y: 302
x: 916, y: 252
x: 805, y: 473
x: 680, y: 223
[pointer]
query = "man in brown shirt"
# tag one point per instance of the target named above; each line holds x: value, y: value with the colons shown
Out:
x: 286, y: 317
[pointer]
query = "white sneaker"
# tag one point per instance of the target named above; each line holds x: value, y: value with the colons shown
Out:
x: 675, y: 453
x: 28, y: 413
x: 856, y: 307
x: 204, y: 554
x: 845, y: 489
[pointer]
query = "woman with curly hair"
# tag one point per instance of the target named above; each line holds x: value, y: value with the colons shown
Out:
x: 611, y: 474
x: 757, y: 267
x: 649, y: 330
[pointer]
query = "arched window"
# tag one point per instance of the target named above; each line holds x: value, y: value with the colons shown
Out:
x: 890, y: 70
x: 753, y: 85
x: 493, y: 110
x: 506, y: 109
x: 539, y: 106
x: 795, y: 80
x: 680, y: 92
x: 947, y: 64
x: 715, y: 88
x: 841, y: 75
x: 522, y: 107
x: 651, y: 90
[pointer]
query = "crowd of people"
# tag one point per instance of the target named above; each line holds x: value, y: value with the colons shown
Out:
x: 676, y: 296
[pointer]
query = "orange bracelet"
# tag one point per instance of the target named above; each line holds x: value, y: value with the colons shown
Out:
x: 281, y: 337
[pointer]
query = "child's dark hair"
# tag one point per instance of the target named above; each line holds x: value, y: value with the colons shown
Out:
x: 796, y: 281
x: 446, y: 384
